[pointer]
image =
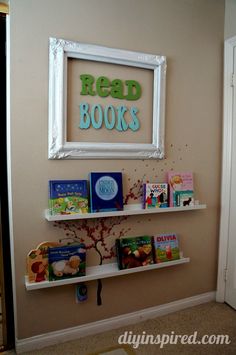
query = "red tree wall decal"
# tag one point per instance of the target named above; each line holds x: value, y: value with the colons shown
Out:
x: 135, y: 192
x: 94, y: 233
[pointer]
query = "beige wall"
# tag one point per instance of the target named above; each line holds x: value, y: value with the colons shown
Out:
x: 190, y: 33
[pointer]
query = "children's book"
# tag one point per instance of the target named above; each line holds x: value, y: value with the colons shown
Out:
x: 181, y: 189
x: 66, y: 261
x: 68, y: 196
x: 184, y: 198
x: 155, y: 195
x: 166, y: 247
x: 106, y: 192
x: 37, y: 262
x: 134, y: 252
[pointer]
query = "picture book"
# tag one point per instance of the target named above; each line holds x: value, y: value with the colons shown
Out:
x: 155, y: 195
x: 66, y: 261
x: 181, y: 189
x: 37, y: 262
x: 106, y: 191
x: 68, y: 197
x: 184, y: 198
x: 166, y: 247
x: 134, y: 252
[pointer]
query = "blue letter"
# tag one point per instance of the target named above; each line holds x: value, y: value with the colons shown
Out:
x: 134, y: 125
x: 109, y: 125
x: 84, y: 123
x: 121, y: 125
x: 95, y: 124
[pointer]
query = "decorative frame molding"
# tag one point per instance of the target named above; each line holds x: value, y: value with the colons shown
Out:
x: 59, y: 52
x: 229, y: 46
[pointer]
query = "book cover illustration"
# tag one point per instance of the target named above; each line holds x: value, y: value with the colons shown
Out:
x: 68, y: 197
x: 134, y: 252
x: 155, y: 195
x: 181, y: 189
x: 166, y: 247
x: 184, y: 198
x: 37, y: 262
x: 106, y: 192
x: 66, y: 261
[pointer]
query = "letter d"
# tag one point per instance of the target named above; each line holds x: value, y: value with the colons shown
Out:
x: 123, y: 338
x: 192, y: 339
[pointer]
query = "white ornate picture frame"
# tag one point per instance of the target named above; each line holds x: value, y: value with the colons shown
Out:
x: 59, y: 148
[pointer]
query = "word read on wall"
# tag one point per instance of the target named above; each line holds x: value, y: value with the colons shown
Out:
x: 112, y: 117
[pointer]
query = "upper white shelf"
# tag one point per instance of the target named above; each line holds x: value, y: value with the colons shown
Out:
x: 129, y: 210
x: 102, y: 272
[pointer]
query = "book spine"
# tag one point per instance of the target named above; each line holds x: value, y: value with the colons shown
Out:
x: 144, y: 196
x: 153, y: 250
x: 50, y: 204
x: 91, y: 194
x: 118, y: 254
x: 171, y: 197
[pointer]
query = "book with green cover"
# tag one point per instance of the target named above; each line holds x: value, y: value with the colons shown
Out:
x: 134, y: 252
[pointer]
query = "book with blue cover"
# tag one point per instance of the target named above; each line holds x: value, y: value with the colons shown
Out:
x: 106, y: 191
x: 66, y: 261
x: 68, y: 197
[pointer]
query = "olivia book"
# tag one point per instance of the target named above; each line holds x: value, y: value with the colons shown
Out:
x: 166, y: 247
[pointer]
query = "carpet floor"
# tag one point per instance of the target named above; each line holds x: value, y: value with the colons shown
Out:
x: 208, y: 319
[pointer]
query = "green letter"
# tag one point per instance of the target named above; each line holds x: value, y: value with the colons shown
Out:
x: 134, y: 125
x: 87, y: 82
x: 102, y: 82
x: 117, y: 89
x: 84, y: 124
x: 132, y: 84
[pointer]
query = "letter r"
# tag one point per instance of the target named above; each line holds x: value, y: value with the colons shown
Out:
x: 87, y: 85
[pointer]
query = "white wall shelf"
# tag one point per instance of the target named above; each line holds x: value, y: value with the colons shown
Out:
x: 101, y: 272
x: 111, y: 269
x: 129, y: 210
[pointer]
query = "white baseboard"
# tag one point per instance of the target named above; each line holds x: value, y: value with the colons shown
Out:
x: 64, y: 335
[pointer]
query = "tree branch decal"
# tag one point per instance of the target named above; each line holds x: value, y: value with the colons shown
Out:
x: 135, y: 191
x: 94, y: 233
x: 98, y: 232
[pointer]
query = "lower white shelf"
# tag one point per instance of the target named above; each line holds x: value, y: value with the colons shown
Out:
x: 101, y: 272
